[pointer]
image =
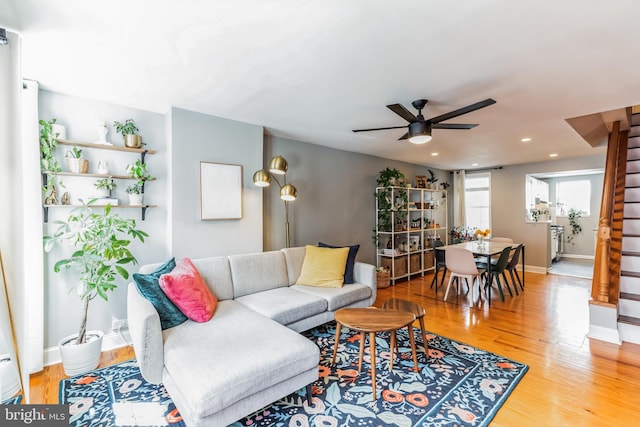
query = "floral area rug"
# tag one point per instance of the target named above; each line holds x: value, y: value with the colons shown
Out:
x: 456, y: 385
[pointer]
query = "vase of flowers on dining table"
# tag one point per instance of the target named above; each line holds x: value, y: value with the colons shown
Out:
x: 481, y: 235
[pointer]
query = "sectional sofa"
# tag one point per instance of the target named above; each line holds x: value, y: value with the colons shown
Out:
x: 250, y: 353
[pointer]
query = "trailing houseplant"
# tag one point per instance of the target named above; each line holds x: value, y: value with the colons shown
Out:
x: 101, y: 251
x: 129, y: 131
x: 574, y: 216
x: 49, y: 164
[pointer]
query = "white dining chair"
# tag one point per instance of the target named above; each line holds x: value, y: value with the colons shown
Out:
x: 462, y: 265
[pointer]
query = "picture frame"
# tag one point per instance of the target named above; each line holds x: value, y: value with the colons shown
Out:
x: 421, y: 181
x: 220, y: 191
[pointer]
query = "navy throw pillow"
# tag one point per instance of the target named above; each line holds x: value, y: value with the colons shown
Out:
x: 351, y: 260
x: 148, y: 285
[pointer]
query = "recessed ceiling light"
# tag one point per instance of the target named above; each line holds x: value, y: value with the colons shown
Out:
x: 474, y: 164
x: 434, y: 154
x: 553, y: 155
x: 525, y: 139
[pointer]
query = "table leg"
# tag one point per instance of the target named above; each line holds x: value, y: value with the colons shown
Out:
x: 413, y: 347
x: 362, y: 338
x: 372, y: 343
x: 424, y: 336
x: 392, y: 347
x: 489, y: 280
x: 335, y: 345
x: 523, y: 265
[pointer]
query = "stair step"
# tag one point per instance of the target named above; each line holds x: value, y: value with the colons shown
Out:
x: 635, y: 119
x: 631, y: 210
x: 629, y: 274
x: 631, y: 245
x: 629, y: 306
x: 634, y: 130
x: 631, y: 194
x: 633, y: 153
x: 633, y: 166
x: 630, y: 284
x: 630, y: 296
x: 633, y: 142
x: 629, y: 320
x: 629, y: 331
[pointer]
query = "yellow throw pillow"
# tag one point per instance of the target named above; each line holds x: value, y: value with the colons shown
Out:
x: 323, y: 267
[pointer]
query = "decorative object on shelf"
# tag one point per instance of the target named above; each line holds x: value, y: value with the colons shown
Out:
x: 481, y: 235
x: 52, y: 198
x: 421, y: 181
x: 101, y: 242
x: 220, y: 191
x: 65, y: 199
x: 444, y: 186
x: 75, y: 162
x: 48, y: 163
x: 136, y: 197
x: 103, y: 167
x: 432, y: 179
x: 574, y: 216
x: 129, y: 132
x: 102, y: 134
x: 262, y: 178
x: 105, y: 186
x: 391, y: 199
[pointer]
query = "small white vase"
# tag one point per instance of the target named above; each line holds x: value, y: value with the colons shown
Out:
x: 103, y: 167
x: 80, y: 358
x: 103, y: 193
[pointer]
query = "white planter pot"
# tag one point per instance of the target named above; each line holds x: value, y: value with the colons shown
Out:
x: 103, y: 192
x: 78, y: 359
x: 78, y: 165
x: 136, y: 199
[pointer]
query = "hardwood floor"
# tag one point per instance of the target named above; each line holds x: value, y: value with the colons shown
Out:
x: 571, y: 380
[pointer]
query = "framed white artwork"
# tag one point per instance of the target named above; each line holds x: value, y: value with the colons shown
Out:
x: 220, y: 191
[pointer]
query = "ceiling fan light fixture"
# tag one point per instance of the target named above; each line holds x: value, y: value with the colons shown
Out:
x: 419, y: 133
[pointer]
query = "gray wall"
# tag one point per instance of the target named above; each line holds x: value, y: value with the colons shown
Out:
x: 335, y: 202
x: 198, y: 137
x: 508, y: 203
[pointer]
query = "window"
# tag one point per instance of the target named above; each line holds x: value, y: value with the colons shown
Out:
x: 573, y: 194
x: 477, y: 200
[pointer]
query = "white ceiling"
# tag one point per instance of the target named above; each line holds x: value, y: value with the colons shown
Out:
x: 314, y: 70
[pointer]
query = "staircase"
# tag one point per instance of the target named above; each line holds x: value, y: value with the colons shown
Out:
x: 629, y: 299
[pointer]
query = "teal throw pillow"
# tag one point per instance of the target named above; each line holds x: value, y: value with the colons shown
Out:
x: 149, y: 286
x: 351, y: 260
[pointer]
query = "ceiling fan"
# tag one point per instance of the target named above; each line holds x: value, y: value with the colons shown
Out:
x: 420, y: 129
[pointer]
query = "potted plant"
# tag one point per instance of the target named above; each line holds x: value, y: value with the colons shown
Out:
x: 135, y: 195
x: 138, y: 171
x: 129, y: 132
x: 432, y: 179
x: 105, y: 186
x: 75, y: 162
x: 392, y: 196
x: 574, y: 216
x: 48, y: 162
x: 101, y: 242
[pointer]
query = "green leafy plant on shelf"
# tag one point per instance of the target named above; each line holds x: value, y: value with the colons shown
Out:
x: 105, y: 184
x: 74, y: 153
x: 574, y: 216
x: 392, y: 199
x: 134, y: 189
x: 138, y: 170
x: 128, y: 127
x: 49, y: 165
x: 101, y: 241
x: 432, y: 177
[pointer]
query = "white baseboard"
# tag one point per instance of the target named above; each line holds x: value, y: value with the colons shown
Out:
x: 576, y: 256
x: 534, y: 269
x: 109, y: 342
x: 604, y: 334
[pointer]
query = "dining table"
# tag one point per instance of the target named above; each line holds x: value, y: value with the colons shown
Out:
x: 487, y: 249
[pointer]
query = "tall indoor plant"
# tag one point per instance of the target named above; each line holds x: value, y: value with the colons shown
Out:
x: 101, y: 241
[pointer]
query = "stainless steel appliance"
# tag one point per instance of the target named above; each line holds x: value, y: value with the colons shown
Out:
x: 557, y: 242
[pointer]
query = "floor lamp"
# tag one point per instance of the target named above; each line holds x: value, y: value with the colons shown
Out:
x: 288, y: 193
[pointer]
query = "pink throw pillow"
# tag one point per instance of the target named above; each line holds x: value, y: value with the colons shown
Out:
x: 186, y: 289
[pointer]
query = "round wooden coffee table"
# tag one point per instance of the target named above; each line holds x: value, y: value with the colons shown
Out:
x: 372, y: 320
x: 411, y: 307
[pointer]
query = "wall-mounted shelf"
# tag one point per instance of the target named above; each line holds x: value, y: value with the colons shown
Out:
x: 141, y: 151
x: 144, y: 208
x: 98, y: 175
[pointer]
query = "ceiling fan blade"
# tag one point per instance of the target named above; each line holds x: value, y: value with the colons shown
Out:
x: 405, y: 136
x: 402, y: 112
x: 463, y: 110
x: 452, y: 126
x: 392, y: 127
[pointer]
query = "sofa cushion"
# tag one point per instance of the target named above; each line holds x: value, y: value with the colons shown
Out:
x: 351, y: 260
x: 284, y: 305
x: 220, y: 370
x: 258, y: 272
x: 323, y: 267
x: 148, y: 285
x: 294, y: 258
x: 186, y: 289
x: 340, y: 297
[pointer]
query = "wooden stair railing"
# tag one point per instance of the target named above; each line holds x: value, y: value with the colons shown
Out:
x: 605, y: 287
